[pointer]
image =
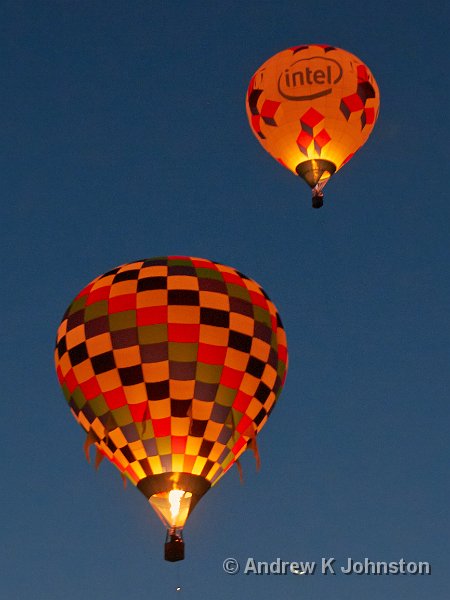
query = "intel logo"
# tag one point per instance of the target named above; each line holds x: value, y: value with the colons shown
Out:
x: 309, y: 78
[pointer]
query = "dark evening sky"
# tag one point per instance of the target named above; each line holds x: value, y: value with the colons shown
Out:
x: 124, y: 137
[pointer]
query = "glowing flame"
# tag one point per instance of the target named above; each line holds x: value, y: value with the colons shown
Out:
x: 172, y: 507
x: 174, y: 501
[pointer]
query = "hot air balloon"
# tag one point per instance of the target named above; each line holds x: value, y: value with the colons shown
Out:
x: 311, y: 108
x: 172, y: 367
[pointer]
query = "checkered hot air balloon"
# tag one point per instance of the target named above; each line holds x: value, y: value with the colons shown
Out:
x: 312, y: 107
x: 172, y: 367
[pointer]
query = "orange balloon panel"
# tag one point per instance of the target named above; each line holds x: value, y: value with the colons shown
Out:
x: 312, y: 107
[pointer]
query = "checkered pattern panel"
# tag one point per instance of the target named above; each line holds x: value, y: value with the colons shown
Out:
x: 173, y: 364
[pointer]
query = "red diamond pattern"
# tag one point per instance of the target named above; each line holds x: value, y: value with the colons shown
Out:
x: 320, y: 140
x: 268, y: 110
x: 311, y: 118
x: 362, y: 73
x: 308, y: 122
x: 304, y: 139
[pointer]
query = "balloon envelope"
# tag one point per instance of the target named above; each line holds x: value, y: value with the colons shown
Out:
x: 172, y: 366
x: 312, y: 107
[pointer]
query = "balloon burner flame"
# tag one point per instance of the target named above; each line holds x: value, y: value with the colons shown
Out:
x: 175, y: 503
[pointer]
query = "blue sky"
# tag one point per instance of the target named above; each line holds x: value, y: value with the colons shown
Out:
x: 125, y: 136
